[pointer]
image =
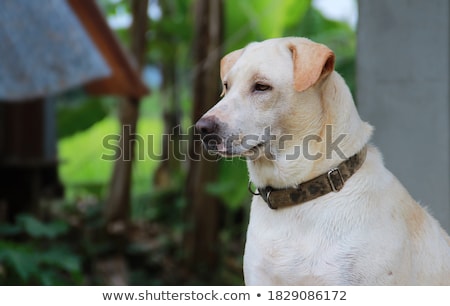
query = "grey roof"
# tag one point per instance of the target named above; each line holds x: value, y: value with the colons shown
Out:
x: 44, y: 50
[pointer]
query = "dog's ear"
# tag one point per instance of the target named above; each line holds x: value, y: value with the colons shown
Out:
x: 312, y: 61
x: 228, y: 61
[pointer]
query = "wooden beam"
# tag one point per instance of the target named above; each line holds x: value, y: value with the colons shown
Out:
x: 125, y: 79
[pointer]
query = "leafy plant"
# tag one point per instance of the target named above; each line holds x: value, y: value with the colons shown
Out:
x: 31, y: 256
x: 256, y: 20
x: 77, y: 111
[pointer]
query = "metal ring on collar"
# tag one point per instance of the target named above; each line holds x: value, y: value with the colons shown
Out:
x: 268, y: 199
x: 250, y: 189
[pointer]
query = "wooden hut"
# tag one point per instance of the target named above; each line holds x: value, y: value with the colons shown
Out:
x: 46, y: 48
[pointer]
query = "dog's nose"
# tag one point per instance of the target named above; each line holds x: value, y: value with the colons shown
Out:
x: 206, y: 126
x: 208, y: 129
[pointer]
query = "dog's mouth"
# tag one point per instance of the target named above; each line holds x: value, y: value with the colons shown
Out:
x: 256, y: 150
x: 249, y: 146
x: 239, y: 150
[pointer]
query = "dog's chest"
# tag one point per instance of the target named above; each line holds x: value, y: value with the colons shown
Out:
x: 299, y: 262
x: 278, y: 253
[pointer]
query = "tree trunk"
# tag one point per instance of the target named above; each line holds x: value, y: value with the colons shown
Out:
x: 170, y: 165
x: 138, y: 31
x: 203, y: 209
x: 117, y: 206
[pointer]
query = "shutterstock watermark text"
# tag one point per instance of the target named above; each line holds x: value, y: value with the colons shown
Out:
x: 190, y: 145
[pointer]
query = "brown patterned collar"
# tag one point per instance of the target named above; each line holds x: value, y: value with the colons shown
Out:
x: 333, y: 180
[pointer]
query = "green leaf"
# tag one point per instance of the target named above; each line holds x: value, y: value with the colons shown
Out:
x: 231, y: 186
x: 37, y: 229
x: 62, y: 258
x: 255, y: 20
x: 27, y: 264
x: 20, y: 259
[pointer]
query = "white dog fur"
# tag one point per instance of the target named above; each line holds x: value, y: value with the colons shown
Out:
x: 371, y: 232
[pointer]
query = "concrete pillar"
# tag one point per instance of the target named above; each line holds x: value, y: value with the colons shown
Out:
x: 403, y: 82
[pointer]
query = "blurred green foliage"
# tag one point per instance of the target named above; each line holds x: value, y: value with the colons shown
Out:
x: 77, y: 111
x: 256, y: 20
x: 85, y: 171
x: 35, y: 253
x: 229, y: 187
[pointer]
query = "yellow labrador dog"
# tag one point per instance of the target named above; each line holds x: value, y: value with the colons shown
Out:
x: 325, y: 211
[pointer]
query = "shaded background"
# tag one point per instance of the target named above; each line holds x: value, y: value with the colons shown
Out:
x: 92, y: 192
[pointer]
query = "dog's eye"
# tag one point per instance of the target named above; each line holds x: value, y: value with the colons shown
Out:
x: 261, y: 87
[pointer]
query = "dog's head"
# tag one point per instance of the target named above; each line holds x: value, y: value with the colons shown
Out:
x: 272, y: 98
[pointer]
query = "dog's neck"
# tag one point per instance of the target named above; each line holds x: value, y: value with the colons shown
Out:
x: 340, y: 118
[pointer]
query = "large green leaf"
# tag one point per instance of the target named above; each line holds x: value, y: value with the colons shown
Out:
x: 254, y: 20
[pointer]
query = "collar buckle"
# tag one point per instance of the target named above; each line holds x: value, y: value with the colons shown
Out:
x: 332, y: 175
x: 269, y: 192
